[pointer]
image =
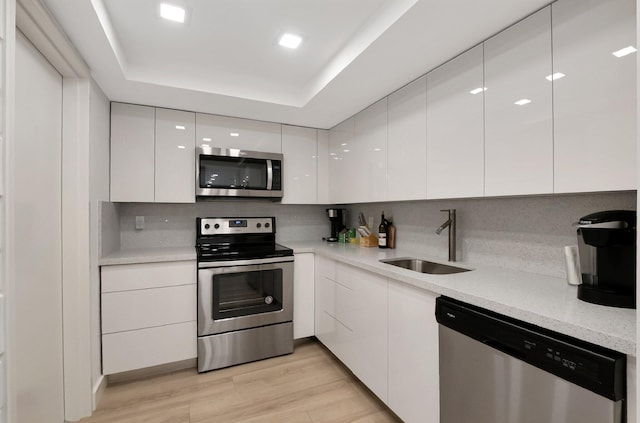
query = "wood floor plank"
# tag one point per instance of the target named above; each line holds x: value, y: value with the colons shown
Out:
x: 309, y: 386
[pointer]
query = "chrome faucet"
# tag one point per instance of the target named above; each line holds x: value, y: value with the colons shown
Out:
x: 451, y: 223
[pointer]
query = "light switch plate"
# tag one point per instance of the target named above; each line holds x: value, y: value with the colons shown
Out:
x: 139, y: 222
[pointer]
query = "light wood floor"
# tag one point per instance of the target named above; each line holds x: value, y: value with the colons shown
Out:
x: 308, y: 386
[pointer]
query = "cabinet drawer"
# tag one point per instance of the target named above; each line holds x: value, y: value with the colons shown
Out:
x: 137, y: 349
x: 128, y: 310
x: 325, y: 268
x: 128, y: 277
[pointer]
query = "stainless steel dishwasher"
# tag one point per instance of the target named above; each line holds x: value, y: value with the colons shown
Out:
x: 494, y: 369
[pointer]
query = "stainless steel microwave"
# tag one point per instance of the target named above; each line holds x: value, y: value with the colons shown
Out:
x: 229, y: 172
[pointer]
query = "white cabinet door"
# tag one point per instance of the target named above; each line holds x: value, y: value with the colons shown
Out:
x: 413, y: 354
x: 342, y: 162
x: 594, y: 103
x: 518, y: 117
x: 407, y: 142
x: 175, y: 156
x: 300, y: 167
x: 126, y: 277
x: 323, y: 167
x: 136, y: 349
x: 455, y: 127
x: 361, y: 306
x: 370, y: 154
x: 303, y: 295
x: 132, y: 153
x: 243, y: 134
x: 326, y: 329
x: 351, y: 320
x: 144, y: 308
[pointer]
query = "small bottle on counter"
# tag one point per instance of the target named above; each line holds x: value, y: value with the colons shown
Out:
x: 383, y: 231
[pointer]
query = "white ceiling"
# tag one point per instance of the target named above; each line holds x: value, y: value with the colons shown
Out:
x: 225, y: 58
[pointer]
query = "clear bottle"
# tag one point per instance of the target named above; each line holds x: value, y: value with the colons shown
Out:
x: 383, y: 231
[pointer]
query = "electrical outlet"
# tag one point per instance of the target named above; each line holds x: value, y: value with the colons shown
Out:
x: 370, y: 222
x: 139, y: 222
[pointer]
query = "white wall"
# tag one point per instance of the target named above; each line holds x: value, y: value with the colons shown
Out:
x: 98, y: 191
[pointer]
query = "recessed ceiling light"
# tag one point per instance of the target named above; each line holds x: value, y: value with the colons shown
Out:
x: 206, y: 139
x: 343, y: 144
x: 478, y: 90
x: 522, y: 102
x: 181, y: 127
x: 234, y: 134
x: 290, y: 40
x: 346, y: 151
x: 172, y: 13
x: 624, y: 51
x: 181, y: 147
x: 554, y: 76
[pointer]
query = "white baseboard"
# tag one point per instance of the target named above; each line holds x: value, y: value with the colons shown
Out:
x: 98, y: 390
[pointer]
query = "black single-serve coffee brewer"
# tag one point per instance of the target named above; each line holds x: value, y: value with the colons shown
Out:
x: 607, y: 251
x: 336, y: 216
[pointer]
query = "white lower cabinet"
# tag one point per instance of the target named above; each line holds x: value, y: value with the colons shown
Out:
x: 303, y: 295
x: 385, y: 332
x: 413, y: 354
x: 148, y: 314
x: 351, y: 320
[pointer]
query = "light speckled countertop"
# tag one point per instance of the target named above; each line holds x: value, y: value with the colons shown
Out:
x: 149, y: 255
x: 541, y: 300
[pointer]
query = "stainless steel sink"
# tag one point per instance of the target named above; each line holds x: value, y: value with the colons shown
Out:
x: 424, y: 266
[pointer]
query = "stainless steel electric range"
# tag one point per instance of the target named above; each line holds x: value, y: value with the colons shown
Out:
x: 245, y: 292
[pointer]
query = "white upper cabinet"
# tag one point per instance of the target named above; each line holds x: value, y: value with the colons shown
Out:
x: 300, y: 150
x: 594, y: 101
x: 455, y: 128
x: 407, y: 142
x: 518, y: 110
x: 323, y: 167
x: 243, y: 134
x: 369, y: 155
x: 342, y: 163
x: 175, y: 156
x: 132, y: 152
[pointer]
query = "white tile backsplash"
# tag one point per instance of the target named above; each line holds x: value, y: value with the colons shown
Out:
x: 523, y: 233
x: 174, y: 225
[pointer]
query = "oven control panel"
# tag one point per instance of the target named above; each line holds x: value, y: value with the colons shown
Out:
x: 233, y: 225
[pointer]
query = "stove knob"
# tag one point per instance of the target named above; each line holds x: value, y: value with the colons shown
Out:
x: 266, y: 225
x: 207, y: 226
x: 217, y: 226
x: 259, y: 225
x: 268, y: 299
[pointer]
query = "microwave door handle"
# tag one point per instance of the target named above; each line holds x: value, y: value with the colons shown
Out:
x: 269, y: 175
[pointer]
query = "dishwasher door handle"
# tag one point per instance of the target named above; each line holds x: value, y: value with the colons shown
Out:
x: 507, y: 349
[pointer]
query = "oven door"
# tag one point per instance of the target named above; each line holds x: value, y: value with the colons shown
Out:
x: 244, y: 294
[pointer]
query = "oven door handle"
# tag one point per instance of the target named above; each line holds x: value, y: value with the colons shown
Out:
x: 249, y: 262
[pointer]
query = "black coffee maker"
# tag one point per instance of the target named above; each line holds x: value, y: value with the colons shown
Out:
x: 336, y: 216
x: 607, y: 251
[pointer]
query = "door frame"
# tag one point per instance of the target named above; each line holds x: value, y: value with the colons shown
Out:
x: 37, y: 24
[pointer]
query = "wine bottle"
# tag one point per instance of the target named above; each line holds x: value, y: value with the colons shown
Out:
x: 383, y: 230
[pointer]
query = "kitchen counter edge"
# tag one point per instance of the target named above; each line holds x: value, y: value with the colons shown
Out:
x: 148, y: 255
